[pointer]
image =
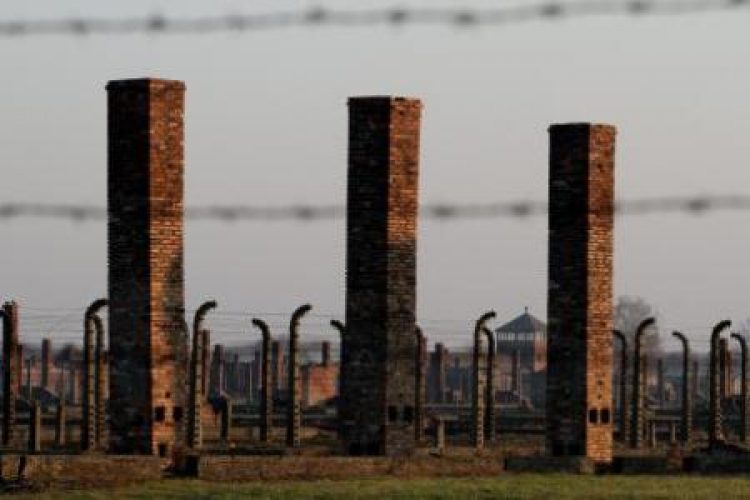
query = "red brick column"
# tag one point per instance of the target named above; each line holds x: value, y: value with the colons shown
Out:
x: 579, y: 376
x: 378, y: 397
x: 146, y: 283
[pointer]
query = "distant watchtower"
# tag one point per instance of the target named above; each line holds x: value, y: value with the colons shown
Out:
x: 522, y: 358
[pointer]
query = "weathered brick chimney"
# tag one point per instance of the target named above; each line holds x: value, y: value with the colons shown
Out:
x: 146, y: 285
x: 579, y: 377
x: 378, y: 400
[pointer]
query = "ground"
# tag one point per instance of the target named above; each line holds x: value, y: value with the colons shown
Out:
x: 523, y: 486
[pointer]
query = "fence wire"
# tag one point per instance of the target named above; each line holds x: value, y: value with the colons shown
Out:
x: 690, y: 205
x: 321, y: 16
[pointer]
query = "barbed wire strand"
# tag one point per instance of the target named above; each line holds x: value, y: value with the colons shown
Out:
x: 321, y: 16
x: 692, y: 205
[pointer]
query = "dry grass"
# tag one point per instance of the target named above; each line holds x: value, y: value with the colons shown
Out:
x: 511, y: 486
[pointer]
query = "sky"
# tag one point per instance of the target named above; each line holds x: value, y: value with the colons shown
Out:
x: 266, y: 124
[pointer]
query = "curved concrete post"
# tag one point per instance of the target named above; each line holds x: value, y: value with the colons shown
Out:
x: 637, y: 417
x: 478, y: 392
x: 195, y: 401
x: 35, y: 427
x: 624, y: 393
x: 88, y: 418
x: 294, y: 416
x: 715, y: 429
x: 686, y: 424
x: 744, y: 426
x: 9, y: 316
x: 266, y: 394
x: 489, y: 399
x: 100, y: 401
x: 419, y: 384
x: 341, y: 329
x: 200, y: 315
x: 60, y: 421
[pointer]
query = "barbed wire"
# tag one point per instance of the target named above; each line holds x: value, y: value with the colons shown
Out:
x: 692, y: 205
x: 461, y: 17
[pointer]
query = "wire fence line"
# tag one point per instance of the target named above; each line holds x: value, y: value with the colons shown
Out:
x: 321, y: 16
x: 689, y: 205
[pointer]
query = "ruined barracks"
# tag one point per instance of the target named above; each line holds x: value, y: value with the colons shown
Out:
x: 149, y: 393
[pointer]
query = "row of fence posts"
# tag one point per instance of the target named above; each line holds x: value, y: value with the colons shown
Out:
x: 93, y: 422
x: 633, y: 420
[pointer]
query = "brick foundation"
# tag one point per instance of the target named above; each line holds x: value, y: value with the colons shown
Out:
x: 245, y: 468
x: 80, y: 471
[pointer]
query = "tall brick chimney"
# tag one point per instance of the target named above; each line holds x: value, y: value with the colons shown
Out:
x: 378, y: 399
x: 146, y: 290
x: 579, y: 376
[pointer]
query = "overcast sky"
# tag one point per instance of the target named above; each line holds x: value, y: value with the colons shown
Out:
x: 266, y: 124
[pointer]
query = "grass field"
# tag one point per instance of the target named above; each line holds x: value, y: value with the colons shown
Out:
x: 549, y: 487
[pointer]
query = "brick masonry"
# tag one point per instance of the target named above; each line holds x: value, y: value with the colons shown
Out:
x: 80, y: 471
x: 319, y: 383
x: 247, y: 468
x: 146, y: 284
x: 579, y: 379
x: 382, y: 199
